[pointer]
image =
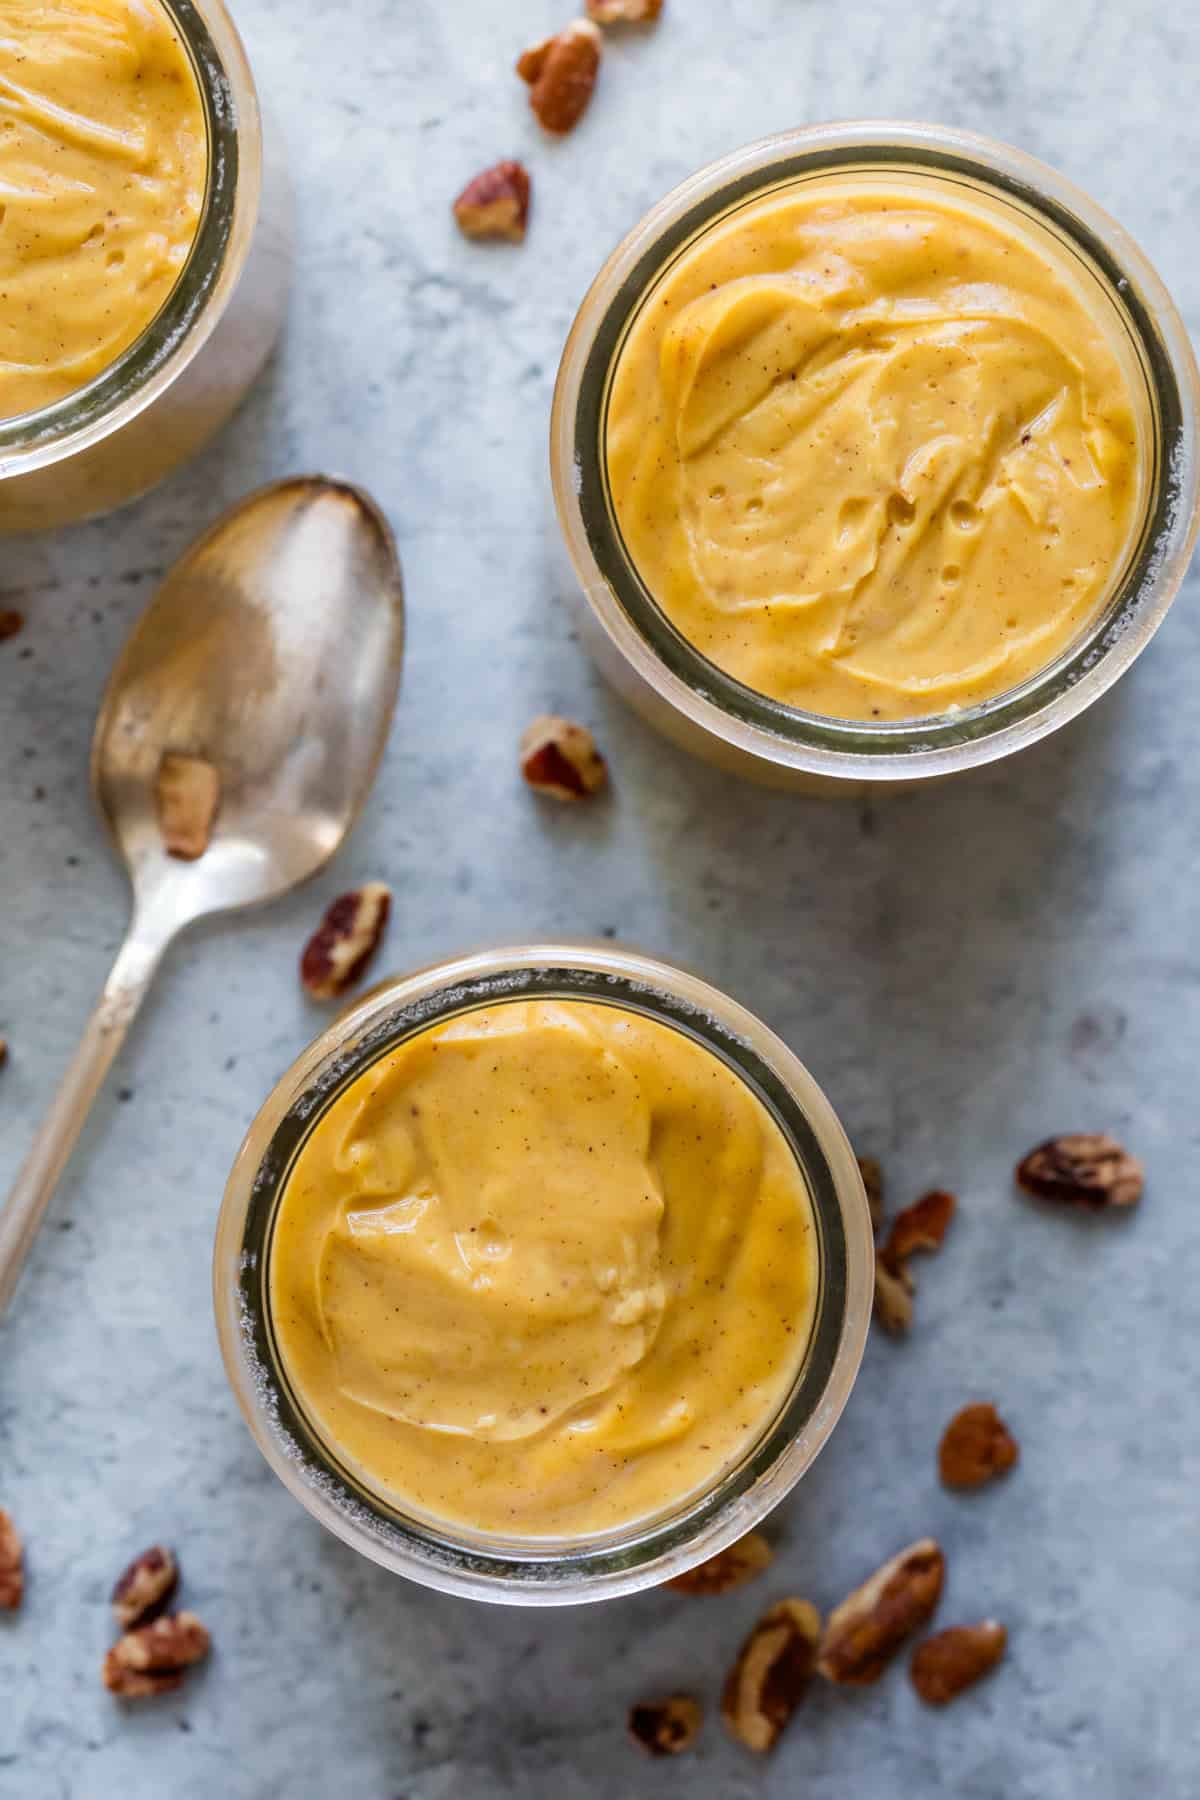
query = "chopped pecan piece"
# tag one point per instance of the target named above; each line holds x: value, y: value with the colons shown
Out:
x: 872, y: 1174
x: 976, y: 1447
x: 1083, y: 1168
x: 3, y: 1051
x: 188, y: 794
x: 623, y: 12
x: 866, y: 1630
x: 496, y: 203
x: 10, y: 623
x: 921, y: 1226
x: 666, y: 1727
x: 893, y: 1297
x: 561, y: 759
x: 154, y: 1658
x: 561, y: 73
x: 144, y: 1589
x: 346, y: 940
x: 771, y: 1675
x: 728, y: 1569
x: 956, y: 1658
x: 12, y: 1565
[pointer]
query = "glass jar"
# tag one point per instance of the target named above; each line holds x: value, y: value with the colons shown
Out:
x: 688, y: 697
x: 182, y: 378
x: 545, y: 1571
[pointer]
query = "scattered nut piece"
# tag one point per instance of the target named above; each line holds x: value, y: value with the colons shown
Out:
x: 153, y: 1659
x: 872, y: 1174
x: 955, y: 1659
x: 346, y: 940
x: 561, y: 759
x: 893, y: 1297
x: 921, y: 1226
x: 10, y: 623
x: 771, y: 1675
x: 1083, y: 1168
x: 728, y: 1569
x: 623, y: 12
x: 976, y: 1447
x: 3, y: 1051
x: 12, y: 1565
x: 866, y: 1630
x: 144, y: 1589
x: 666, y: 1727
x: 561, y: 73
x: 496, y: 203
x: 188, y: 793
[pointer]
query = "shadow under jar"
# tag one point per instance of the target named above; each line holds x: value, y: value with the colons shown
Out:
x: 649, y: 658
x: 179, y: 380
x: 677, y: 1531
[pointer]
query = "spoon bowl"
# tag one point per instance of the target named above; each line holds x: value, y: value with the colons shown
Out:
x: 273, y: 651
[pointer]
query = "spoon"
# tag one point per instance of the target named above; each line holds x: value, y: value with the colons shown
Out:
x: 273, y: 651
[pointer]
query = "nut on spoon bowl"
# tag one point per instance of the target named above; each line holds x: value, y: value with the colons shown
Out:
x: 272, y: 651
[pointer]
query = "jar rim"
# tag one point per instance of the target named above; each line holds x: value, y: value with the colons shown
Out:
x: 746, y: 720
x: 642, y: 1552
x: 171, y: 340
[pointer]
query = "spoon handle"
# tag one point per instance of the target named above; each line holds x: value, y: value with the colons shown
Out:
x: 103, y: 1036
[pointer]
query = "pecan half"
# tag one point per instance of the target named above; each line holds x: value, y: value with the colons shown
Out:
x: 144, y: 1589
x: 623, y: 12
x: 561, y: 759
x: 188, y: 793
x: 872, y: 1174
x: 956, y: 1658
x: 866, y: 1630
x: 154, y: 1658
x: 10, y: 623
x: 894, y: 1290
x: 921, y: 1226
x: 666, y: 1727
x: 1083, y: 1168
x: 771, y: 1675
x: 12, y: 1565
x: 561, y: 73
x: 728, y: 1569
x: 976, y: 1447
x: 346, y: 940
x: 496, y: 203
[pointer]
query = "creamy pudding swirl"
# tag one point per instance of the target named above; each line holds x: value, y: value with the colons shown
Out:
x: 872, y: 452
x: 544, y: 1269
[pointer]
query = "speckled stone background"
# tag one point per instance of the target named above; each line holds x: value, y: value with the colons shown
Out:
x: 965, y: 969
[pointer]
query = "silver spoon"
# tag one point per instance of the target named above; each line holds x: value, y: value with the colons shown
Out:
x: 273, y: 651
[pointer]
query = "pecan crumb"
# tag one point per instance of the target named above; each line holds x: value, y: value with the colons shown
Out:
x: 666, y: 1727
x: 188, y: 794
x: 561, y: 759
x: 866, y: 1630
x: 3, y: 1051
x: 623, y: 12
x: 153, y: 1658
x: 944, y: 1665
x: 872, y: 1174
x: 730, y: 1568
x: 921, y: 1226
x: 496, y: 203
x: 1082, y: 1168
x: 893, y: 1297
x: 771, y: 1675
x: 561, y: 73
x: 144, y: 1589
x: 12, y: 1565
x: 976, y: 1447
x: 10, y: 623
x: 346, y: 940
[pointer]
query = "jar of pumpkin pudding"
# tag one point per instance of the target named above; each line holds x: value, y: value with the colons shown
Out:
x: 544, y: 1274
x: 874, y: 448
x: 143, y: 246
